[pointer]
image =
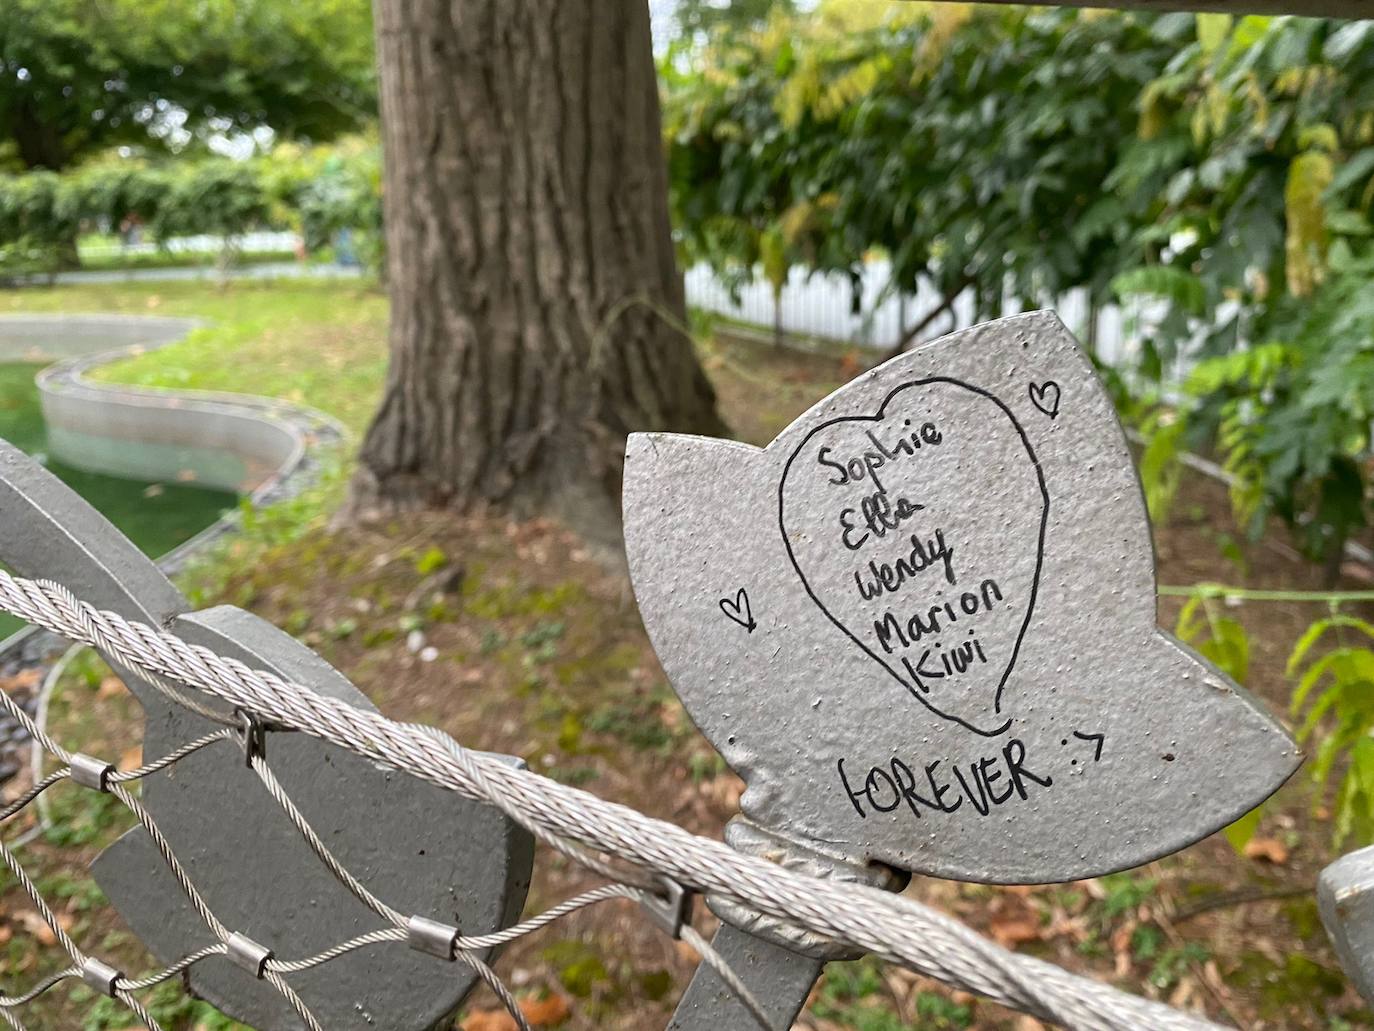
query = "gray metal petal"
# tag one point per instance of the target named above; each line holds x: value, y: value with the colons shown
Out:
x: 421, y: 849
x: 980, y: 491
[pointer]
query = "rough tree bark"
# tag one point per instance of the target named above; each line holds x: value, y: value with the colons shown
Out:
x: 535, y: 299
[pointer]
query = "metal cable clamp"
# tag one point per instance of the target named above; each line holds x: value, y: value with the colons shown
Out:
x: 100, y: 976
x: 253, y: 732
x: 90, y: 772
x: 245, y: 952
x: 432, y: 937
x: 671, y: 909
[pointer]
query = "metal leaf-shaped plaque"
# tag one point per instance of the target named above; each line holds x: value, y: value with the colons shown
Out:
x: 921, y: 622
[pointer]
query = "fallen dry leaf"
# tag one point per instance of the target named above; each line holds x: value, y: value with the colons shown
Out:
x: 1269, y: 850
x: 24, y: 680
x: 131, y: 758
x: 1014, y: 920
x: 111, y: 687
x: 38, y: 927
x: 545, y: 1012
x: 686, y: 952
x: 1121, y: 946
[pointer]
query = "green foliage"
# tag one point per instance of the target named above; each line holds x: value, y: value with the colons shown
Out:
x: 853, y: 995
x: 316, y: 191
x: 1251, y: 180
x: 431, y: 561
x: 78, y: 77
x: 168, y: 1003
x: 1219, y: 638
x: 1216, y: 174
x: 968, y: 145
x: 1335, y: 686
x: 1222, y: 640
x: 1125, y: 893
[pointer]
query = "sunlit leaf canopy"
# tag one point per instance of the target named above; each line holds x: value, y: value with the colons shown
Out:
x: 1309, y: 8
x: 77, y: 76
x: 1217, y: 172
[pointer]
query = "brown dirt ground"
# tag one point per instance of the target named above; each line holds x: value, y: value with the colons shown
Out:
x: 541, y: 654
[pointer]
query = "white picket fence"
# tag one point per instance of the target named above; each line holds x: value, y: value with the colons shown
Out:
x: 254, y: 242
x: 820, y: 305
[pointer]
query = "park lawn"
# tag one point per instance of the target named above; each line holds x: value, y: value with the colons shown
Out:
x: 540, y: 653
x: 316, y: 342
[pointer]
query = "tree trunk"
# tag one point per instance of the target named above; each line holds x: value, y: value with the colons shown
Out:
x: 39, y: 145
x: 537, y: 314
x: 38, y: 142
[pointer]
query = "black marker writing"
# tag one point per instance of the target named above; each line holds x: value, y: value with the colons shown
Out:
x: 984, y: 783
x: 890, y: 629
x: 885, y: 576
x: 880, y: 515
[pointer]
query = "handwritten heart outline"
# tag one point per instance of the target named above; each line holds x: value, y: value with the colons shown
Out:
x: 1039, y: 551
x: 740, y: 606
x: 1039, y: 391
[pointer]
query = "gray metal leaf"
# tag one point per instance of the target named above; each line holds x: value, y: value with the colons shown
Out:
x: 950, y: 661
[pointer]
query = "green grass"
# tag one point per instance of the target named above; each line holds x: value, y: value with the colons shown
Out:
x: 315, y: 342
x: 321, y: 344
x: 164, y: 258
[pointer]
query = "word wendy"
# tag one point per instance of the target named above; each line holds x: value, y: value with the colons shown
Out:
x: 878, y: 520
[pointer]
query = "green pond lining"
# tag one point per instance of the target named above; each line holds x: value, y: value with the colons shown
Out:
x: 147, y: 458
x: 156, y: 515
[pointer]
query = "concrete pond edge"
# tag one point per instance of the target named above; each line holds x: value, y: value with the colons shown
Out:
x: 282, y: 445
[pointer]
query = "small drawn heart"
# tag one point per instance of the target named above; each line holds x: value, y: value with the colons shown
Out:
x: 738, y: 610
x: 1045, y: 396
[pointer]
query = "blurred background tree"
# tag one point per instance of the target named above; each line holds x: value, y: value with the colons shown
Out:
x: 78, y: 77
x: 537, y: 311
x: 703, y: 18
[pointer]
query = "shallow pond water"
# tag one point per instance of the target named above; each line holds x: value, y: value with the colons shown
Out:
x: 155, y: 516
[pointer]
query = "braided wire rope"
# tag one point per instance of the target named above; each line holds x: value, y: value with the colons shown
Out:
x: 274, y: 971
x: 897, y: 929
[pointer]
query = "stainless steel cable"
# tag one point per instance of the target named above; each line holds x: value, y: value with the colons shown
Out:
x: 716, y: 962
x: 340, y: 872
x: 9, y: 1001
x: 378, y: 937
x: 897, y: 929
x: 122, y: 988
x: 164, y: 847
x: 497, y: 986
x: 534, y: 923
x: 44, y: 910
x: 139, y: 1010
x: 57, y: 776
x: 185, y: 963
x: 171, y: 758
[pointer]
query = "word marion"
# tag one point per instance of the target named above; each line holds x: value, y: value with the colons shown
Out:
x: 879, y: 514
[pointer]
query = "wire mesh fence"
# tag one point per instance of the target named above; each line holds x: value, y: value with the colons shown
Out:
x: 245, y: 732
x: 654, y: 862
x: 249, y: 735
